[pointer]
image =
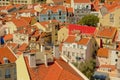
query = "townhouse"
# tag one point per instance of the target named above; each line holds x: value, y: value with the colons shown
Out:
x: 78, y: 48
x: 81, y: 8
x: 106, y: 36
x: 108, y: 62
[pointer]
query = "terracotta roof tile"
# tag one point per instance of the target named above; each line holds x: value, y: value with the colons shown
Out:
x: 83, y: 41
x: 107, y: 32
x: 23, y: 47
x: 19, y: 22
x: 70, y: 10
x: 68, y: 1
x: 70, y: 39
x: 8, y: 37
x: 112, y: 67
x: 6, y: 52
x: 11, y: 45
x: 54, y: 9
x: 59, y: 70
x: 82, y: 1
x: 103, y: 52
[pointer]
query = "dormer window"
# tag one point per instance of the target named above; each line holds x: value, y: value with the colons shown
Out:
x: 6, y: 61
x: 60, y: 12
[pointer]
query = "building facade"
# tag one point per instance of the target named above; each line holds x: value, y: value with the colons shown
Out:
x: 7, y: 2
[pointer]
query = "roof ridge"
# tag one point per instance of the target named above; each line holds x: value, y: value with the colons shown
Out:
x: 58, y: 65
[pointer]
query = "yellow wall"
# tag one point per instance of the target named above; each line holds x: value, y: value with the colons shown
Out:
x: 22, y: 72
x: 39, y: 26
x: 62, y: 31
x: 105, y: 20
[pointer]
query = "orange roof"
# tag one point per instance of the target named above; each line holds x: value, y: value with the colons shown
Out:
x: 59, y: 70
x: 83, y: 41
x: 9, y: 7
x: 112, y: 67
x: 7, y: 52
x: 54, y: 9
x: 36, y: 34
x: 107, y: 32
x: 103, y: 52
x: 70, y: 39
x: 19, y: 53
x: 8, y: 37
x: 23, y: 47
x: 27, y: 11
x: 70, y: 10
x: 11, y: 45
x: 68, y: 1
x: 20, y: 22
x: 28, y: 19
x: 82, y: 1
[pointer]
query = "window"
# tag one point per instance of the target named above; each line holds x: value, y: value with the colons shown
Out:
x: 0, y: 73
x: 6, y: 60
x: 116, y: 60
x: 60, y: 12
x: 74, y: 46
x: 116, y: 52
x: 15, y: 71
x: 111, y: 17
x: 7, y: 73
x: 59, y: 17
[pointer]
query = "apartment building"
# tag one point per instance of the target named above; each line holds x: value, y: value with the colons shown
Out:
x: 7, y: 2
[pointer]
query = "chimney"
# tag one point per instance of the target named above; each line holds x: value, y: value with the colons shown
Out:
x: 46, y: 62
x: 78, y: 37
x: 32, y: 60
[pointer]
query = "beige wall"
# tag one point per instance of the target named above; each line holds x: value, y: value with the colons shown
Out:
x: 105, y: 20
x: 12, y: 67
x: 22, y: 72
x: 62, y: 34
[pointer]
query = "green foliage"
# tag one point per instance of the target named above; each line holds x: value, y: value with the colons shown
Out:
x: 87, y: 67
x: 89, y: 20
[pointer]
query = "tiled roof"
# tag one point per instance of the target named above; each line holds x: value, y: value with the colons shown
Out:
x: 11, y: 45
x: 6, y: 52
x: 83, y: 29
x: 19, y: 22
x: 27, y: 11
x: 70, y: 39
x: 23, y: 47
x: 107, y: 32
x: 103, y: 52
x: 59, y: 70
x: 8, y: 37
x: 113, y: 6
x: 82, y: 1
x: 54, y: 9
x: 70, y: 9
x: 68, y: 1
x: 9, y: 7
x: 112, y: 67
x: 28, y: 19
x: 19, y: 53
x: 95, y: 4
x: 82, y: 41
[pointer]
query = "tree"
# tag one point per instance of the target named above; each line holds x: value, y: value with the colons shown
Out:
x: 87, y: 67
x: 90, y: 20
